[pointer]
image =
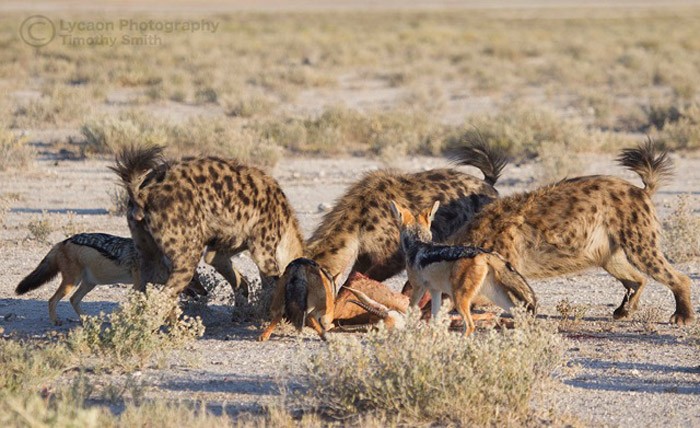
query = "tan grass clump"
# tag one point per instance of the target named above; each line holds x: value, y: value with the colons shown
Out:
x: 682, y: 232
x: 524, y: 131
x: 147, y: 325
x: 427, y: 374
x: 15, y: 152
x: 107, y: 134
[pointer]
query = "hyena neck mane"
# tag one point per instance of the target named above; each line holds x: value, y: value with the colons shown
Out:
x: 291, y: 245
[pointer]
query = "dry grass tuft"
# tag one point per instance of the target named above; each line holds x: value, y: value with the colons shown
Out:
x: 14, y: 151
x: 682, y: 232
x: 427, y: 374
x: 571, y: 314
x: 145, y: 326
x: 40, y: 228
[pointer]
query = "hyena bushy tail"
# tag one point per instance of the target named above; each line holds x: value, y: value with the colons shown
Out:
x: 490, y: 160
x: 135, y: 165
x: 651, y: 163
x: 45, y: 272
x: 296, y: 293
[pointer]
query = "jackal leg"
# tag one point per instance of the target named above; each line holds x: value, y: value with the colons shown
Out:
x: 68, y: 281
x: 313, y: 323
x: 619, y: 267
x: 276, y: 311
x: 77, y: 297
x: 467, y: 278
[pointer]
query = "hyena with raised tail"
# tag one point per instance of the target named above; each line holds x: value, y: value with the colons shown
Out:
x: 586, y: 222
x: 220, y: 204
x: 360, y: 233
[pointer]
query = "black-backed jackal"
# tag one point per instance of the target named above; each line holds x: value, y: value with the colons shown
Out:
x: 83, y: 260
x: 307, y: 299
x: 460, y: 271
x: 89, y: 259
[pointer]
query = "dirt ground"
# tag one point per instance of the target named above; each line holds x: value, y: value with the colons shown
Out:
x: 633, y: 372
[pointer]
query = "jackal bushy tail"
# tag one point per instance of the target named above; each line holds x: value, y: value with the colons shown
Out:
x: 652, y: 165
x: 45, y: 272
x: 490, y: 160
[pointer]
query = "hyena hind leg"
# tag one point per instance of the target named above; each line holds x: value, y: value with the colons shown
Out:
x: 221, y: 262
x: 657, y: 267
x: 184, y: 267
x: 619, y: 267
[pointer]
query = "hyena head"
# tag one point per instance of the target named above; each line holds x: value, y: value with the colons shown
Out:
x: 309, y: 291
x: 414, y: 228
x: 512, y: 282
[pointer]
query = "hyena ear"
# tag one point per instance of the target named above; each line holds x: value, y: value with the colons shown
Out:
x: 396, y: 210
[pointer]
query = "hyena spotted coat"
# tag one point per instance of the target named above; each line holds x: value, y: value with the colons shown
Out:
x: 220, y: 204
x: 360, y: 232
x: 587, y: 222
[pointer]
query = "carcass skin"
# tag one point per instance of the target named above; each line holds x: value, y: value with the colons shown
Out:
x: 348, y: 313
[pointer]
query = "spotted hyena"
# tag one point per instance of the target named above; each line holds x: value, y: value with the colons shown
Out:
x: 223, y: 205
x: 360, y: 234
x: 587, y: 222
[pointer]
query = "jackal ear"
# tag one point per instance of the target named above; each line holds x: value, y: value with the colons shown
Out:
x: 433, y: 210
x: 429, y: 214
x: 396, y: 210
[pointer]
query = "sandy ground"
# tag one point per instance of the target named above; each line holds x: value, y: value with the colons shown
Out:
x: 620, y: 373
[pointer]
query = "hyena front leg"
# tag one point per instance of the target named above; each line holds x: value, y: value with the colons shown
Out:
x: 619, y: 267
x: 266, y: 261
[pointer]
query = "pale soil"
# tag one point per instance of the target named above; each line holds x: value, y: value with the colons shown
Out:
x: 621, y: 372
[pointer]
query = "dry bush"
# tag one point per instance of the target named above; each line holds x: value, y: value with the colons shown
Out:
x: 682, y: 232
x: 524, y: 131
x: 221, y: 137
x: 107, y: 134
x: 571, y: 314
x: 248, y: 105
x: 40, y: 228
x: 15, y: 152
x: 683, y: 133
x: 340, y: 130
x: 556, y: 162
x: 649, y: 318
x: 70, y: 228
x: 145, y: 326
x: 58, y: 105
x: 427, y: 374
x: 119, y: 198
x: 27, y: 366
